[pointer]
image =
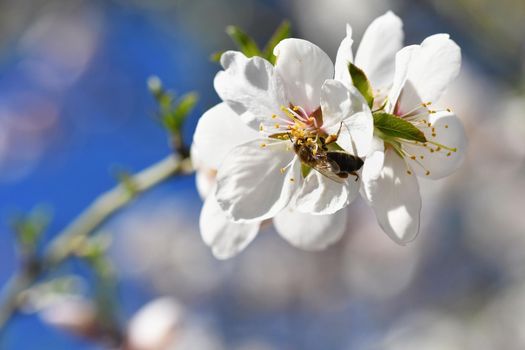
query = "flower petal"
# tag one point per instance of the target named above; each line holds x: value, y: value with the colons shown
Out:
x: 205, y: 182
x: 344, y: 56
x: 310, y: 232
x: 225, y: 237
x: 250, y: 184
x: 321, y: 195
x: 345, y: 104
x: 432, y: 69
x: 374, y: 160
x: 403, y: 59
x: 449, y: 132
x: 218, y: 131
x: 251, y: 88
x: 303, y: 67
x: 376, y: 54
x: 395, y: 198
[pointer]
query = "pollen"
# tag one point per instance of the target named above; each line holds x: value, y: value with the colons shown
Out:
x: 421, y: 157
x: 446, y: 126
x: 413, y: 157
x: 263, y: 145
x: 282, y: 170
x: 449, y: 154
x: 277, y: 126
x: 274, y: 116
x: 433, y: 134
x: 261, y: 127
x: 427, y: 173
x: 449, y: 110
x: 292, y: 179
x: 409, y: 172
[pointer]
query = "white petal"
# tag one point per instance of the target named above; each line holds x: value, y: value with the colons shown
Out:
x: 344, y: 56
x: 251, y: 88
x: 395, y: 198
x: 225, y: 237
x: 310, y: 232
x: 205, y: 182
x: 303, y: 67
x: 250, y: 184
x: 376, y: 54
x: 431, y: 70
x: 449, y: 132
x: 321, y: 195
x: 218, y: 131
x: 403, y: 59
x: 344, y: 104
x: 374, y: 160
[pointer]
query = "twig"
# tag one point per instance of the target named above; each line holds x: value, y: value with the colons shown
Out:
x: 73, y: 236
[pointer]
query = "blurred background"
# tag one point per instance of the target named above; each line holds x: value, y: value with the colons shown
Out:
x: 74, y: 107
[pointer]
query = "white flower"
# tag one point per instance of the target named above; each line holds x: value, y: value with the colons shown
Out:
x: 406, y: 82
x: 250, y: 142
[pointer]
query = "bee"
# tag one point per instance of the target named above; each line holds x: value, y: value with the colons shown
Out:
x: 336, y: 165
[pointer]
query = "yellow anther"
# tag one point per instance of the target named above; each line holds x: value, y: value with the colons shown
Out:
x: 448, y: 154
x: 261, y: 127
x: 446, y: 126
x: 282, y: 170
x: 263, y: 145
x: 413, y: 157
x: 427, y: 173
x: 277, y: 126
x: 274, y: 116
x: 409, y: 172
x: 449, y: 110
x: 433, y: 134
x: 295, y: 108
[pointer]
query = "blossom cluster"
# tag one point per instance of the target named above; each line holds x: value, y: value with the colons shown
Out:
x: 298, y: 141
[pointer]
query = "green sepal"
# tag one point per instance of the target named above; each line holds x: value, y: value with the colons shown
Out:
x: 305, y: 170
x: 282, y: 32
x: 389, y: 126
x: 361, y: 83
x: 246, y: 44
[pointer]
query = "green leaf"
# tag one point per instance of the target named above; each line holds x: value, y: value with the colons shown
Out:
x: 245, y: 43
x: 183, y: 108
x: 30, y: 227
x: 305, y: 170
x: 390, y: 126
x: 216, y: 56
x: 361, y: 83
x: 282, y: 32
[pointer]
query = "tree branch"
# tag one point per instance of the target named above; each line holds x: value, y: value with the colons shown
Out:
x: 73, y: 236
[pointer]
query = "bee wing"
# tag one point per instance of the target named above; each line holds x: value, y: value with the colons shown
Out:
x: 330, y: 170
